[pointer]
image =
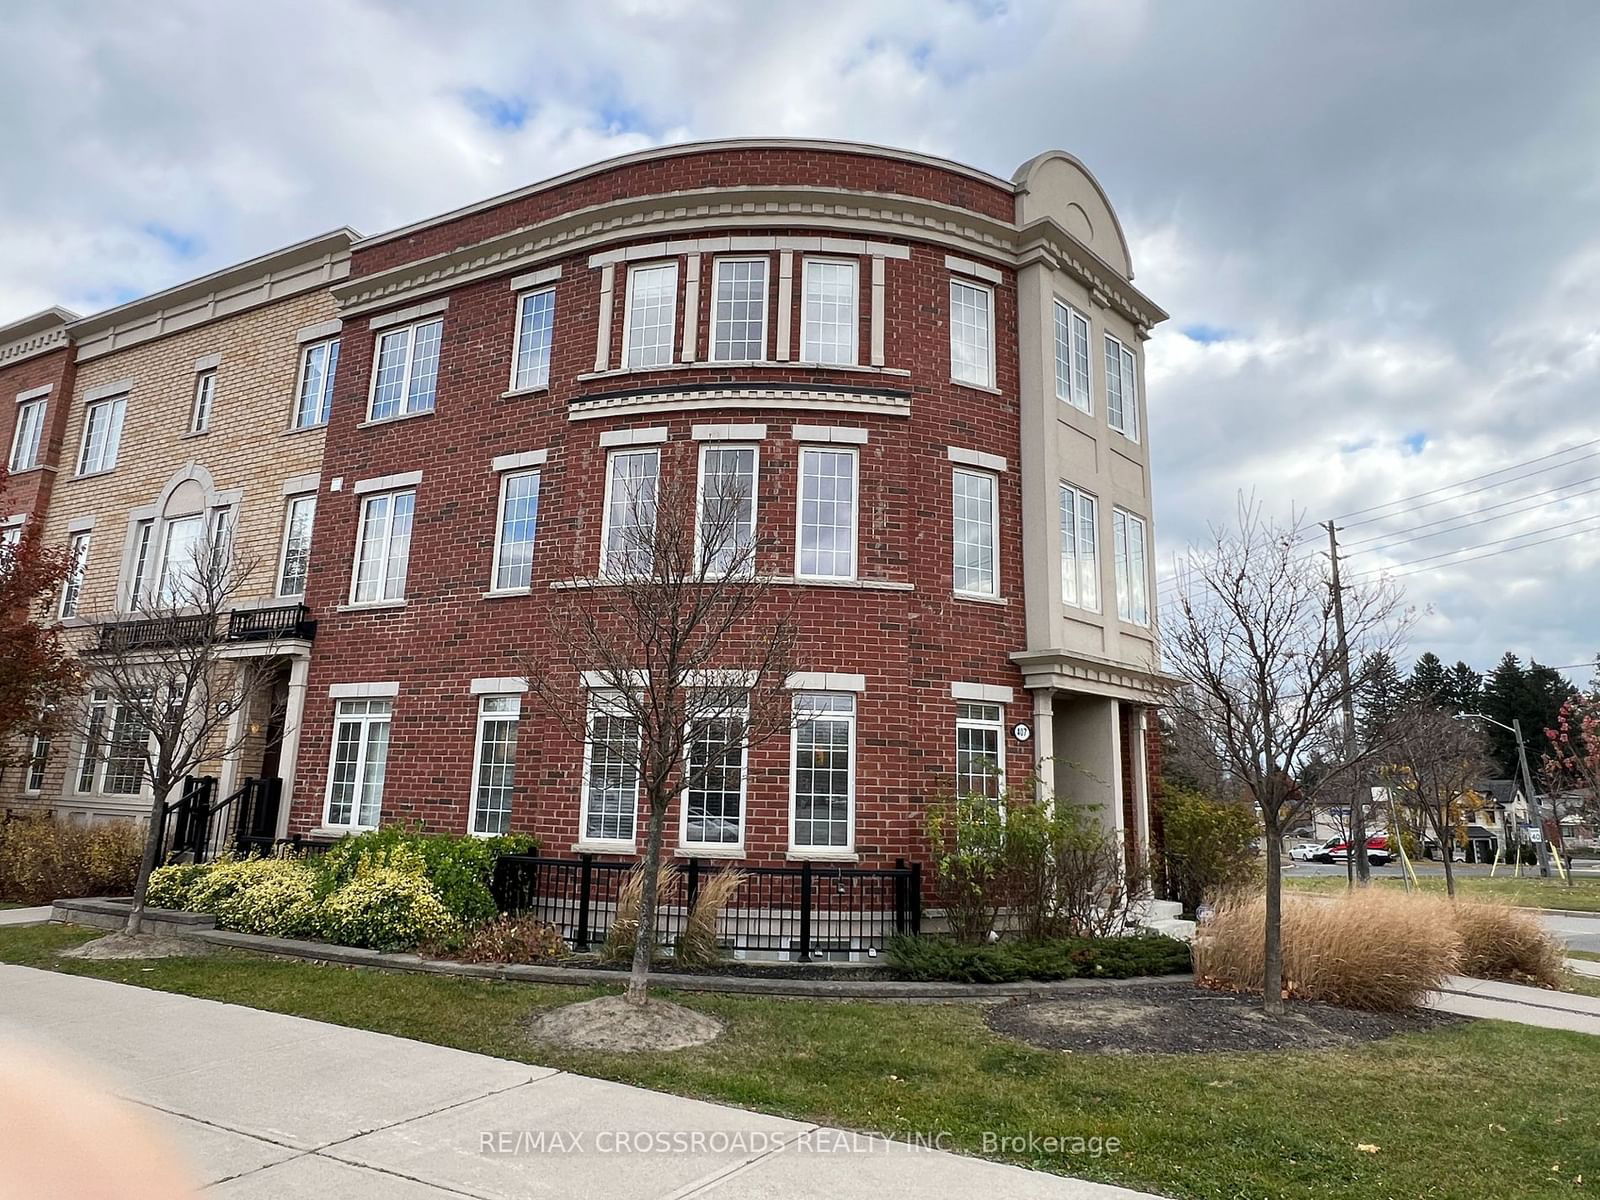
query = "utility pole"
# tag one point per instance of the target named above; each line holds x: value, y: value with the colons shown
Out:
x: 1533, y: 802
x: 1358, y: 808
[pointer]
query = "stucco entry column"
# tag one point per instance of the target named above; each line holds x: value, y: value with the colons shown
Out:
x: 289, y: 748
x: 1044, y: 742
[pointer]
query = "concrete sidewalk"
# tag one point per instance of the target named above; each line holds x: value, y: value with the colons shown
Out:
x: 24, y: 916
x: 266, y: 1105
x: 1521, y: 1005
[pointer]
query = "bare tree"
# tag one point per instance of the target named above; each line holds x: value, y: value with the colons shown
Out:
x: 1430, y: 765
x: 672, y: 660
x: 165, y: 692
x: 1252, y: 634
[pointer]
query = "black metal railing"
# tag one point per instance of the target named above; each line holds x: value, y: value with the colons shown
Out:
x: 155, y: 632
x: 805, y: 912
x: 197, y: 827
x: 271, y: 624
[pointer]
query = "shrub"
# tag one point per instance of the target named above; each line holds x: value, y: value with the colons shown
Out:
x: 385, y: 908
x: 624, y: 931
x: 169, y: 887
x: 1373, y: 950
x: 1506, y: 943
x: 698, y: 945
x: 44, y: 859
x: 460, y: 869
x: 925, y: 958
x: 1208, y: 849
x: 277, y: 899
x: 506, y: 939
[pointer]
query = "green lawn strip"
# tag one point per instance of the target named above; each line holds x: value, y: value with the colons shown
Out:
x: 5, y: 904
x: 1582, y: 985
x: 1586, y: 955
x: 1582, y: 896
x: 1221, y: 1127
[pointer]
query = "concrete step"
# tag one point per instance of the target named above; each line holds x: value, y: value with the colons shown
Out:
x: 1175, y: 927
x: 1159, y: 910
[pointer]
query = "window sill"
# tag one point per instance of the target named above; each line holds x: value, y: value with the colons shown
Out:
x: 501, y: 593
x: 19, y: 472
x: 602, y: 847
x: 978, y: 598
x: 337, y: 831
x: 194, y: 433
x: 513, y: 393
x: 870, y: 585
x: 321, y: 426
x: 410, y: 416
x: 978, y: 387
x: 1123, y: 434
x: 1082, y: 412
x: 824, y: 856
x: 94, y: 474
x: 718, y: 851
x: 371, y: 606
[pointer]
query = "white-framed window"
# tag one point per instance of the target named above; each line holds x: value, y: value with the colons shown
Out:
x: 38, y: 759
x: 1127, y: 533
x: 313, y: 402
x: 980, y: 749
x: 713, y: 804
x: 975, y: 525
x: 406, y: 371
x: 648, y: 334
x: 739, y: 312
x: 139, y: 581
x: 1080, y: 549
x: 360, y: 757
x: 102, y: 433
x: 205, y: 397
x: 626, y: 546
x: 27, y: 435
x: 822, y: 783
x: 515, y: 529
x: 299, y: 519
x: 530, y: 355
x: 971, y: 333
x: 610, y: 772
x: 1072, y: 357
x: 72, y: 585
x: 183, y: 558
x: 383, y: 547
x: 496, y: 760
x: 829, y: 324
x: 826, y: 513
x: 725, y: 517
x: 112, y: 759
x: 1122, y: 389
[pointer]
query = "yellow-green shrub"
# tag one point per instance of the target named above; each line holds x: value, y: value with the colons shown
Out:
x: 44, y: 859
x: 279, y: 899
x: 385, y: 908
x: 169, y: 887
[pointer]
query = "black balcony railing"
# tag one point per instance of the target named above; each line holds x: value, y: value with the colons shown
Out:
x: 285, y: 621
x: 271, y: 624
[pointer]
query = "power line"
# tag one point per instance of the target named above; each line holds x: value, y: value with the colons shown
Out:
x: 1493, y: 553
x: 1483, y: 520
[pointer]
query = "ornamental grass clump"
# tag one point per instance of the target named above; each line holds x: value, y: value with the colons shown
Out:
x: 1498, y: 942
x: 698, y: 945
x: 624, y: 931
x: 1373, y: 950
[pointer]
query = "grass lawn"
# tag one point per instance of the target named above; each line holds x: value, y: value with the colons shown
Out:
x: 4, y: 904
x: 1582, y: 896
x: 1582, y: 985
x: 1458, y: 1114
x: 1587, y: 955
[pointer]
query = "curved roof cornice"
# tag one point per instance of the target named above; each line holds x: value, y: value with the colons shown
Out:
x: 1021, y: 176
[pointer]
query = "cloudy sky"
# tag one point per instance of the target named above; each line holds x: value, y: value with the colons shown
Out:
x: 1376, y: 225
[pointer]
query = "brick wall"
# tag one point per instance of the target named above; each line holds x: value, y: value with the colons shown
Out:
x: 29, y: 491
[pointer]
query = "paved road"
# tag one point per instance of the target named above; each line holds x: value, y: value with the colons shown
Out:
x: 265, y: 1105
x: 1587, y: 868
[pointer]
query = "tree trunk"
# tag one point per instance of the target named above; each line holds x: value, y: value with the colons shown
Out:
x: 1272, y: 973
x: 1449, y: 875
x: 147, y: 860
x: 644, y: 945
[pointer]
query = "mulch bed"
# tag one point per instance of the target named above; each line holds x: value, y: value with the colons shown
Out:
x: 744, y: 969
x: 1184, y: 1019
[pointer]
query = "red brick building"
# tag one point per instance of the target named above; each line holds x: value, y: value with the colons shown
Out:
x: 940, y: 367
x: 36, y: 372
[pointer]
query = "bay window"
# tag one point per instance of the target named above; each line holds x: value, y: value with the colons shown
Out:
x: 1128, y: 533
x: 725, y: 517
x: 713, y: 803
x: 627, y: 540
x: 828, y: 321
x: 1080, y: 549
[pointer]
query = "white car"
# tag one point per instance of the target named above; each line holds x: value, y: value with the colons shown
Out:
x: 1304, y: 851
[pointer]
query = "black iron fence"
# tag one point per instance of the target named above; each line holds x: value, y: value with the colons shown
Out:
x: 271, y: 624
x: 197, y: 827
x: 279, y: 623
x: 807, y: 911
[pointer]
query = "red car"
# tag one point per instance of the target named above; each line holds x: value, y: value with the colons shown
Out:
x: 1337, y: 849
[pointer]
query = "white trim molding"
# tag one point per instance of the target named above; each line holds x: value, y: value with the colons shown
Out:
x: 322, y: 329
x: 363, y: 691
x: 982, y: 693
x: 107, y: 390
x: 826, y: 681
x: 535, y: 279
x: 965, y: 266
x: 652, y: 436
x: 835, y: 434
x: 299, y: 485
x: 976, y: 458
x: 720, y: 677
x: 600, y: 681
x: 385, y: 483
x: 746, y: 244
x: 414, y: 312
x: 518, y: 462
x: 883, y: 404
x: 83, y: 524
x: 729, y: 433
x: 501, y: 685
x: 37, y: 393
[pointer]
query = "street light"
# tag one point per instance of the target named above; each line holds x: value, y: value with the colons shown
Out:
x: 1515, y: 729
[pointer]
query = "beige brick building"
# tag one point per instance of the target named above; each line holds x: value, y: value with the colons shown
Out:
x: 196, y: 418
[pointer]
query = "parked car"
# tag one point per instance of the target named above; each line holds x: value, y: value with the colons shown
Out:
x: 1305, y: 851
x: 1337, y: 849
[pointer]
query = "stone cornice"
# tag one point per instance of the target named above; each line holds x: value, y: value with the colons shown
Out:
x: 33, y: 345
x: 665, y: 215
x: 764, y: 397
x: 1066, y: 670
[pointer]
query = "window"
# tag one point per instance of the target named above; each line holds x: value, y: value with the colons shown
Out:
x: 822, y: 779
x: 610, y: 773
x: 536, y: 321
x: 360, y: 755
x: 1072, y: 357
x: 113, y: 758
x: 72, y: 585
x: 976, y: 528
x: 408, y: 368
x: 313, y: 404
x: 38, y: 758
x: 630, y: 517
x: 139, y: 585
x: 298, y: 521
x: 828, y: 322
x: 739, y: 321
x: 102, y: 431
x: 205, y: 394
x: 971, y: 334
x: 725, y: 531
x: 183, y: 552
x: 519, y: 517
x: 497, y: 753
x: 25, y: 439
x: 827, y: 514
x: 652, y: 315
x: 1080, y: 549
x: 713, y: 804
x: 1122, y: 389
x: 1127, y: 534
x: 383, y: 547
x: 980, y: 750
